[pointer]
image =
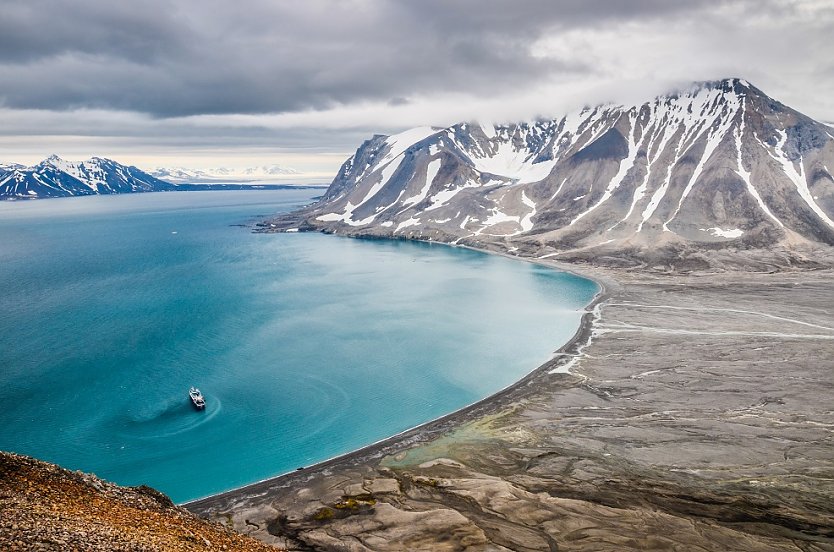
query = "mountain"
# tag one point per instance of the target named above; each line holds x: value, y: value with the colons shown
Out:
x: 8, y: 167
x: 269, y: 170
x: 698, y: 178
x: 55, y: 177
x: 222, y: 174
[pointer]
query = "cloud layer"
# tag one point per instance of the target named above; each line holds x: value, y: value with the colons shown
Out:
x: 261, y: 71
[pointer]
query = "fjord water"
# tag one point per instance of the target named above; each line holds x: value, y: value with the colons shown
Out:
x: 306, y: 346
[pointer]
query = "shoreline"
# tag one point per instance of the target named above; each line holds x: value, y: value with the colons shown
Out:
x: 433, y: 428
x: 672, y: 432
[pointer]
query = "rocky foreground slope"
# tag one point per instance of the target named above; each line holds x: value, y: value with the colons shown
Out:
x: 45, y: 507
x: 717, y: 175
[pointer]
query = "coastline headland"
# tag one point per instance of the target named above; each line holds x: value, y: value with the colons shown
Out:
x: 690, y: 417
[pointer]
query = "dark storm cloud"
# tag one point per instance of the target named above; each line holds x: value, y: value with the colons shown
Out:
x: 192, y: 57
x: 33, y: 30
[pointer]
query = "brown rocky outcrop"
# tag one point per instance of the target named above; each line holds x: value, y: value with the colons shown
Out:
x: 45, y: 507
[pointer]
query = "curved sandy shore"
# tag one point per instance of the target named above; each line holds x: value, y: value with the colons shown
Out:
x: 693, y: 418
x: 431, y: 429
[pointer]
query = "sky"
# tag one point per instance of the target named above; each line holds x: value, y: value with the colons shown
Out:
x: 208, y: 83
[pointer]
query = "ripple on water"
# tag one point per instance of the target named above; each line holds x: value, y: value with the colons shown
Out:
x: 166, y: 418
x: 330, y: 403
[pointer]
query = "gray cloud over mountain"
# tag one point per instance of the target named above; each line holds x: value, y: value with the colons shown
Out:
x: 186, y: 58
x: 193, y: 57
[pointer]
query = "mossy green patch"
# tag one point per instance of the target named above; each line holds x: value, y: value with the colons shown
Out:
x: 486, y: 428
x: 323, y: 514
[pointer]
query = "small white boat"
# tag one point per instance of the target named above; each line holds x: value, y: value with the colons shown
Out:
x: 197, y: 398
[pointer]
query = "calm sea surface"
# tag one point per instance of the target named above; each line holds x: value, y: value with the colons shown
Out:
x: 305, y: 345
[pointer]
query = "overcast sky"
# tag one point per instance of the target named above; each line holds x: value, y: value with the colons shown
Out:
x: 204, y: 83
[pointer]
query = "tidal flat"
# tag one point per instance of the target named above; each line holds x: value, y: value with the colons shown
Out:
x: 696, y: 415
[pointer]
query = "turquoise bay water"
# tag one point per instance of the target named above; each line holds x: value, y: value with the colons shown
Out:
x: 306, y: 346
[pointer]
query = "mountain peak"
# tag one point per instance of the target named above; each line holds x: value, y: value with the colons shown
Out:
x: 98, y: 160
x: 729, y: 83
x: 57, y: 177
x: 728, y: 86
x: 717, y: 163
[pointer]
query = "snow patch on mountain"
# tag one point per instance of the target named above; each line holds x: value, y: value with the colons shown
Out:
x: 796, y: 176
x: 720, y: 233
x: 398, y: 143
x: 507, y: 160
x: 431, y: 173
x: 443, y: 197
x: 625, y: 167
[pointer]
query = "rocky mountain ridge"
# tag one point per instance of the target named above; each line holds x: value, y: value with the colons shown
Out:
x: 56, y: 177
x: 712, y: 176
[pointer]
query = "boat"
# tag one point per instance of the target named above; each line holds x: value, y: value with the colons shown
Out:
x: 197, y: 398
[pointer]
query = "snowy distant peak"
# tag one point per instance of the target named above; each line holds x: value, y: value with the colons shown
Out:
x: 223, y: 174
x: 57, y: 177
x: 269, y: 170
x: 171, y: 174
x: 54, y: 161
x: 60, y: 163
x: 7, y: 167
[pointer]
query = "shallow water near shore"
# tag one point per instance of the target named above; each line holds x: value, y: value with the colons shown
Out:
x: 305, y: 346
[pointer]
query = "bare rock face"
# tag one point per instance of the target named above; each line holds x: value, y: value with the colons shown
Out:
x: 45, y: 507
x: 673, y: 182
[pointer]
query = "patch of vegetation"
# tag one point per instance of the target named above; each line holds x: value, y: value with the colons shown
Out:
x: 324, y: 514
x: 355, y: 503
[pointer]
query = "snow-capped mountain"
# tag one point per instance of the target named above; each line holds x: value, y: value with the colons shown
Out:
x: 8, y: 167
x: 720, y: 165
x: 223, y: 174
x: 56, y: 177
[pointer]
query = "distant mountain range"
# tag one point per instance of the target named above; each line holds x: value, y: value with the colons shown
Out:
x: 675, y: 182
x: 56, y: 177
x: 222, y: 174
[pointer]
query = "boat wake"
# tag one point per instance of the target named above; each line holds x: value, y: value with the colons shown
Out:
x: 169, y: 418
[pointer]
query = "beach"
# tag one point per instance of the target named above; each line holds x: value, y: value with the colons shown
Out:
x: 696, y: 414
